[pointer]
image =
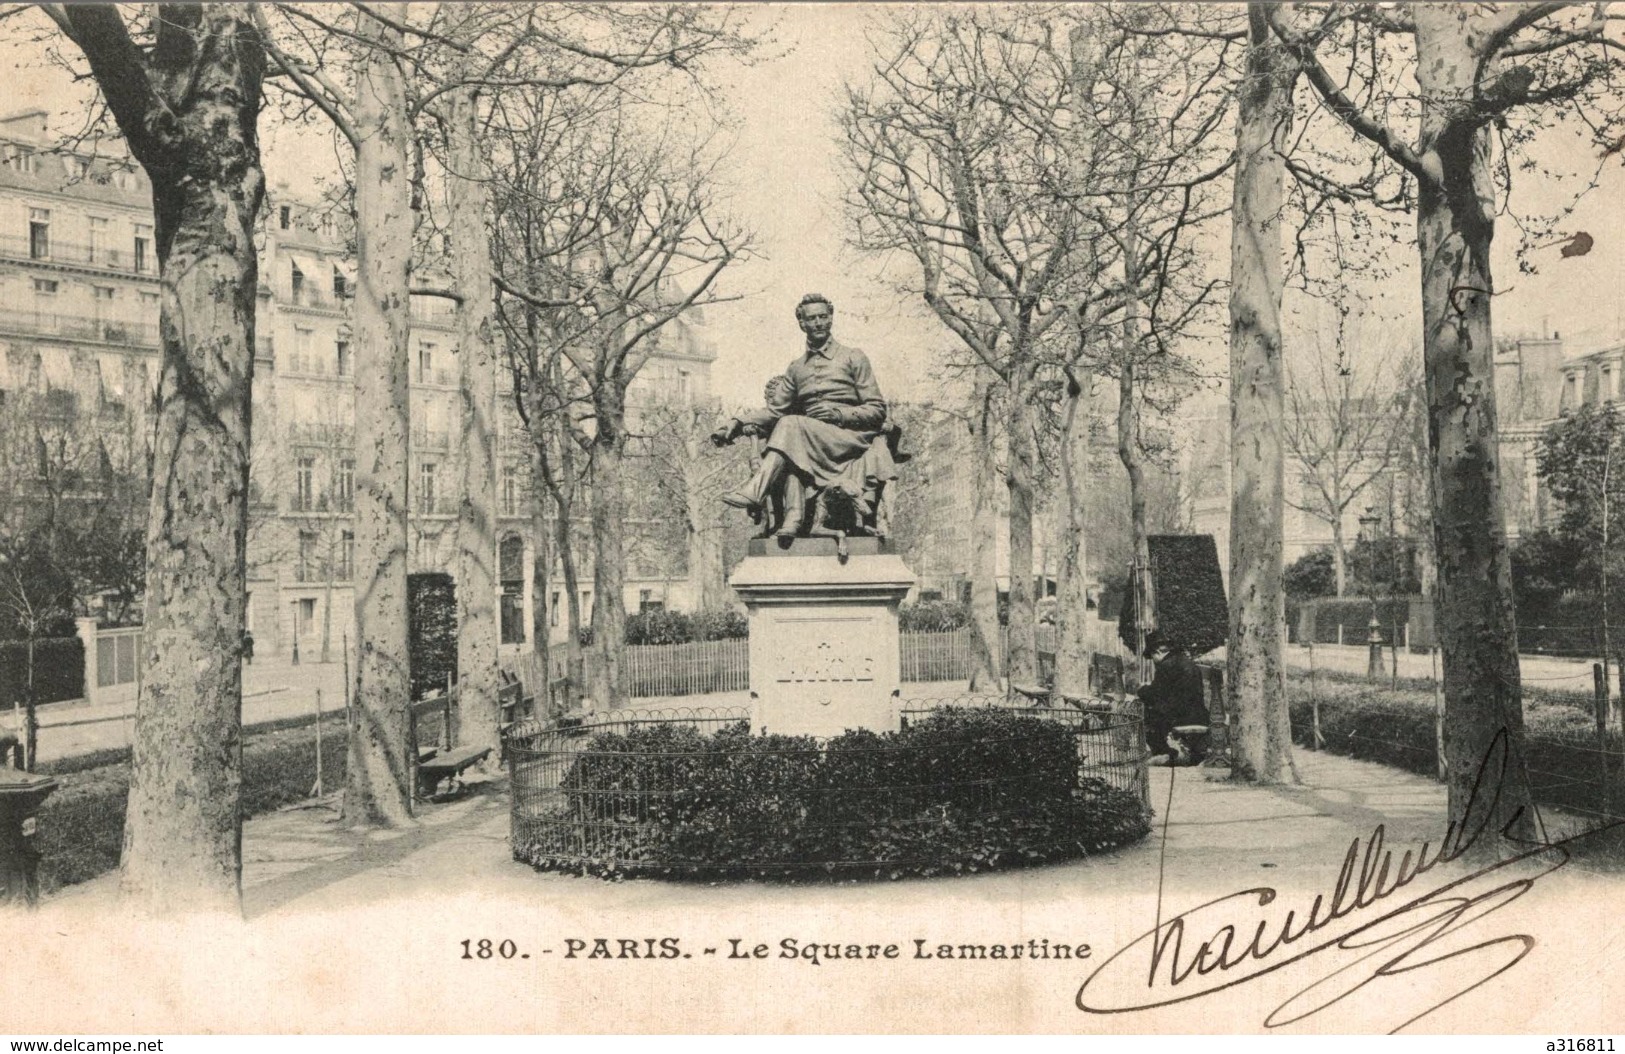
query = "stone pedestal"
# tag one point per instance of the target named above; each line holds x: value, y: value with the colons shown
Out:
x: 824, y: 649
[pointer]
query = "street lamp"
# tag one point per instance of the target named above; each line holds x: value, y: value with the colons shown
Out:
x: 1368, y: 530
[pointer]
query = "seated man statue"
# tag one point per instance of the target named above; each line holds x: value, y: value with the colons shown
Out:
x: 825, y: 422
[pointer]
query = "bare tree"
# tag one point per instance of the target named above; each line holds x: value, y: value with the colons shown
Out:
x: 954, y: 158
x: 1484, y: 77
x: 1343, y: 423
x: 185, y: 89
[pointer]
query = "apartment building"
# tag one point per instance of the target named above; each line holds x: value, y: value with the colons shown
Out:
x: 78, y: 327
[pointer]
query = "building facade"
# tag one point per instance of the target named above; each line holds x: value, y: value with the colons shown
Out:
x: 79, y: 301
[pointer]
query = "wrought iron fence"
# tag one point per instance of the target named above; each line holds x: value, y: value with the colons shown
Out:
x: 684, y: 792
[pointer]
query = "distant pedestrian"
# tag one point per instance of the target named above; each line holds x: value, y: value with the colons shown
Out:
x: 248, y: 647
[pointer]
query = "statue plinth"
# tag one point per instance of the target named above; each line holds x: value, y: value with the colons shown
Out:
x: 824, y: 646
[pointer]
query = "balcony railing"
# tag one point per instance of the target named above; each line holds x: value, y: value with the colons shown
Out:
x: 316, y: 296
x: 322, y: 434
x: 431, y: 439
x: 136, y: 334
x: 438, y: 311
x: 77, y: 255
x: 443, y: 378
x: 435, y: 505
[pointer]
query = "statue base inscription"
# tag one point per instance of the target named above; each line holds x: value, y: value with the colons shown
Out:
x: 824, y: 650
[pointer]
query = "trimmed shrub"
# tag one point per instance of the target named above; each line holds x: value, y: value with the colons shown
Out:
x: 1353, y: 614
x: 431, y: 604
x: 933, y: 616
x: 964, y: 790
x: 59, y: 670
x: 676, y: 627
x: 81, y: 825
x: 1187, y: 590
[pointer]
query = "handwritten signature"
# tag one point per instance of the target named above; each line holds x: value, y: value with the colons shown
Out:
x: 1405, y: 938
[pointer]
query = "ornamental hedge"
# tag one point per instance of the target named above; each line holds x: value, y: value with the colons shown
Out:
x: 1187, y: 594
x: 1372, y: 722
x: 59, y: 670
x: 431, y: 605
x: 962, y: 791
x: 677, y: 627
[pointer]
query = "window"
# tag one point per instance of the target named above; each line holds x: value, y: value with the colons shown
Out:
x: 428, y: 475
x: 78, y: 167
x: 304, y: 498
x: 296, y: 279
x: 342, y: 357
x: 46, y: 286
x: 98, y: 239
x: 344, y: 485
x: 340, y: 288
x: 511, y: 566
x: 124, y: 177
x: 301, y: 361
x: 306, y: 570
x: 285, y: 217
x: 510, y: 493
x: 647, y: 601
x: 149, y: 305
x: 425, y: 363
x: 143, y: 248
x: 346, y: 568
x: 20, y: 158
x: 1571, y: 391
x: 1610, y: 383
x: 553, y: 610
x: 307, y: 617
x: 39, y: 234
x: 101, y: 301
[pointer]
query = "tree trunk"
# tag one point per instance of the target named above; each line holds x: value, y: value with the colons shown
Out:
x: 327, y: 599
x: 541, y: 610
x: 1340, y: 561
x: 609, y: 548
x: 1128, y: 452
x: 477, y: 634
x: 707, y: 570
x: 378, y: 786
x: 1255, y: 686
x: 1477, y: 629
x: 986, y: 662
x: 1023, y: 615
x: 1072, y: 651
x: 182, y: 831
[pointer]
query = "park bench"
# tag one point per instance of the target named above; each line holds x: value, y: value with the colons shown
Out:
x: 437, y: 769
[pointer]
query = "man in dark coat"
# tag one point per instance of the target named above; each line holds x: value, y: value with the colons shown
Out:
x: 1174, y: 696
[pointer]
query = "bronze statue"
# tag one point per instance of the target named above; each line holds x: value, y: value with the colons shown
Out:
x: 830, y: 449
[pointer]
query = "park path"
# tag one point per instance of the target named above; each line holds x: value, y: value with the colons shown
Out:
x: 353, y: 931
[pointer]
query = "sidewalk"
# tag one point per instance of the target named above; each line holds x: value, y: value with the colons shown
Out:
x: 359, y: 931
x: 1544, y: 671
x: 270, y: 692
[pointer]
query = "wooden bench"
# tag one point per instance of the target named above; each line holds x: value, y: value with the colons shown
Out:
x: 440, y: 776
x: 437, y: 767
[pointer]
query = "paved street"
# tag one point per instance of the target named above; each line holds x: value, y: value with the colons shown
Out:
x: 270, y: 693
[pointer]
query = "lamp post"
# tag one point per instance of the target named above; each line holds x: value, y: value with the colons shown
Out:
x: 1368, y: 530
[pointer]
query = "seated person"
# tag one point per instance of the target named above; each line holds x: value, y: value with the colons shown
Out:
x: 821, y: 419
x: 1174, y: 696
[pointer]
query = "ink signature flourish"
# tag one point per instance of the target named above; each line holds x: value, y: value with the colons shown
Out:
x: 1174, y: 964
